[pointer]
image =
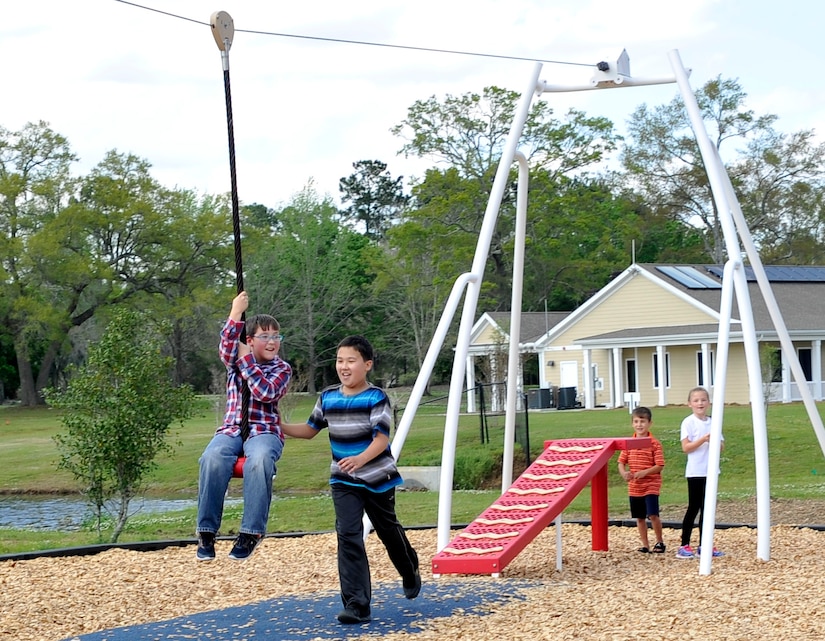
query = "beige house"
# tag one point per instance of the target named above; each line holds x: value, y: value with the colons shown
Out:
x: 650, y: 335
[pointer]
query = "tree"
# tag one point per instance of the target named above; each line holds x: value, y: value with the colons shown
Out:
x: 194, y: 267
x: 314, y: 276
x: 375, y: 198
x: 35, y: 186
x: 414, y: 287
x: 467, y: 135
x: 663, y: 159
x: 117, y: 413
x: 782, y: 194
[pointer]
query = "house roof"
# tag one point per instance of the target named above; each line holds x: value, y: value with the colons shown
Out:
x: 534, y: 327
x: 799, y: 292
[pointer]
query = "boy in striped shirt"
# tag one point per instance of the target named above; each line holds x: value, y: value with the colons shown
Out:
x: 642, y: 469
x: 363, y: 476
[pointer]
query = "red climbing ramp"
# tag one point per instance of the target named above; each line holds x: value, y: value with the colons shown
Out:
x: 532, y: 502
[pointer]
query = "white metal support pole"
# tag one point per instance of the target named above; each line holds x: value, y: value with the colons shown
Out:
x: 715, y: 445
x: 558, y: 543
x: 417, y: 392
x: 470, y: 304
x: 778, y: 322
x: 718, y: 182
x: 515, y: 322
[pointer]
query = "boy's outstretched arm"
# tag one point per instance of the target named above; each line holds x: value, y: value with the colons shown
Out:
x: 299, y: 430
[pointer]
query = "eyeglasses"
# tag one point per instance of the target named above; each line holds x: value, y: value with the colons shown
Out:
x: 269, y: 337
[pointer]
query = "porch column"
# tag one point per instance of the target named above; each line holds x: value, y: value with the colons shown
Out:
x: 787, y: 378
x: 816, y: 368
x: 660, y: 358
x: 494, y: 374
x: 618, y: 378
x: 470, y: 376
x: 587, y: 377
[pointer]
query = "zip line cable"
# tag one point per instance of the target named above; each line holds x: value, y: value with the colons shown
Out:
x: 366, y: 43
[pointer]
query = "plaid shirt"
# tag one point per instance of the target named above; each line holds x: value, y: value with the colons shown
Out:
x: 267, y: 385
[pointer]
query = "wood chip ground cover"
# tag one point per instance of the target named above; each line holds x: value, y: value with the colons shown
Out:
x: 615, y: 595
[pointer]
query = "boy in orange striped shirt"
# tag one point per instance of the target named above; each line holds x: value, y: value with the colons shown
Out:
x: 642, y: 469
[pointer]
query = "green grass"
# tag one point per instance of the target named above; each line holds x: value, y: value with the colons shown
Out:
x: 28, y: 458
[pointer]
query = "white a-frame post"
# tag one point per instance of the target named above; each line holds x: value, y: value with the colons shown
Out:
x: 607, y: 76
x: 733, y: 221
x: 733, y: 281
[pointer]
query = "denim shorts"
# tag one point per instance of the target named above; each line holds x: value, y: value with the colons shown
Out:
x: 643, y: 506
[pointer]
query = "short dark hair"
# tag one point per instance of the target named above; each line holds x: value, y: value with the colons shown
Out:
x: 359, y: 344
x: 643, y: 412
x: 261, y: 321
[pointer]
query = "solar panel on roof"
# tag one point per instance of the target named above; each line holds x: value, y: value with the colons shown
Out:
x: 695, y: 274
x: 782, y: 273
x: 689, y: 277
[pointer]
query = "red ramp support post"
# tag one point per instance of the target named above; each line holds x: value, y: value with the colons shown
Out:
x: 598, y: 510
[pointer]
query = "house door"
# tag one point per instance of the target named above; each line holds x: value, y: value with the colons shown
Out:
x: 569, y: 372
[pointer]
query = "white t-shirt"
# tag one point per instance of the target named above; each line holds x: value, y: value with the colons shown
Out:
x: 694, y: 428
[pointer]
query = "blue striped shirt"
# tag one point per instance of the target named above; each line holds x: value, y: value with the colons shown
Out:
x: 353, y: 422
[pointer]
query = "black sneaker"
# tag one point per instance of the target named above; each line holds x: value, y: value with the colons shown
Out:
x: 244, y: 546
x: 206, y: 546
x: 412, y: 586
x: 348, y: 615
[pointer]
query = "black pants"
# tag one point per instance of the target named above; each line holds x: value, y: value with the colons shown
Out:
x: 696, y: 503
x: 353, y: 567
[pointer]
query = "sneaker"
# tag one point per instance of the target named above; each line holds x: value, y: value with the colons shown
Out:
x: 716, y: 553
x: 206, y: 546
x: 348, y: 615
x: 659, y: 548
x: 413, y: 586
x: 643, y: 550
x: 244, y: 546
x: 685, y: 552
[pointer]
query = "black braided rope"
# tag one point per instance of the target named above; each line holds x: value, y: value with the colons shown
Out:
x: 236, y: 231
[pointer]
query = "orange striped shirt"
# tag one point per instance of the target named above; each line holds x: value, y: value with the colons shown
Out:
x: 643, y: 459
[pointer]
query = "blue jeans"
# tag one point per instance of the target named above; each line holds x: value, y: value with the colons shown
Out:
x: 262, y: 452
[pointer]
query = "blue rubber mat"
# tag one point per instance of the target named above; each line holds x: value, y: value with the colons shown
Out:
x: 304, y: 618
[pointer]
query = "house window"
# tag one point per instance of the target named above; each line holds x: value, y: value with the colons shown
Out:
x: 700, y: 377
x: 630, y: 374
x: 656, y: 370
x: 804, y: 354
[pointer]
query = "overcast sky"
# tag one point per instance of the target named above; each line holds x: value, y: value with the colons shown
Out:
x: 111, y: 75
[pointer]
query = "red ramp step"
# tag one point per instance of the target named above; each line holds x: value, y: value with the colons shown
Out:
x: 532, y: 502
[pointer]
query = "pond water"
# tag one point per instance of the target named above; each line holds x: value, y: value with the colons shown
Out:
x: 68, y: 513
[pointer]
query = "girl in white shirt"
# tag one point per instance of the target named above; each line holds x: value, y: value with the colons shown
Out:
x: 695, y: 437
